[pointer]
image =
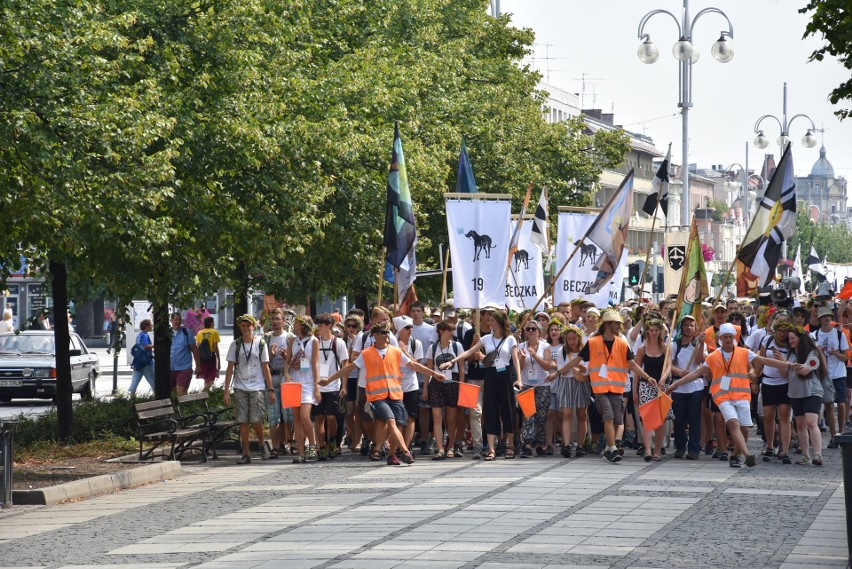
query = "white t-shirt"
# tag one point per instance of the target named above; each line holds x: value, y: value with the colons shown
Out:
x: 754, y: 339
x: 427, y: 335
x: 248, y: 374
x: 332, y: 356
x: 826, y: 340
x: 561, y: 360
x: 6, y: 326
x: 303, y: 350
x: 409, y: 376
x: 362, y: 343
x: 504, y: 356
x: 681, y: 360
x: 279, y: 361
x: 533, y: 374
x: 772, y: 375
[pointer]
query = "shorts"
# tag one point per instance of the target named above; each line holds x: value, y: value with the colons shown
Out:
x: 308, y: 394
x: 208, y: 371
x: 611, y: 407
x: 181, y: 378
x: 802, y: 405
x: 444, y: 393
x: 351, y: 389
x: 774, y: 395
x: 839, y: 389
x: 410, y: 399
x: 327, y: 406
x: 249, y: 406
x: 387, y: 409
x: 739, y: 409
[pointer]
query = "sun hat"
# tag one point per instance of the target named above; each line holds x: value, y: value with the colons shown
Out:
x: 400, y: 322
x: 611, y: 316
x: 727, y: 328
x: 247, y: 318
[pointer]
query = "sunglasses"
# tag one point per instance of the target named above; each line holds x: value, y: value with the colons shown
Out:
x: 382, y: 332
x: 531, y: 329
x: 351, y: 325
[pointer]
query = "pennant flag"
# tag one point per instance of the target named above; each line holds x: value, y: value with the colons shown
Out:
x: 660, y: 188
x: 539, y: 235
x: 774, y: 223
x: 465, y: 182
x: 815, y: 265
x: 846, y: 292
x: 693, y: 284
x: 516, y: 235
x: 400, y: 232
x: 797, y: 269
x: 609, y: 232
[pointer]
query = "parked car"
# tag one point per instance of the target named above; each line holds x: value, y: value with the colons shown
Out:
x: 28, y: 366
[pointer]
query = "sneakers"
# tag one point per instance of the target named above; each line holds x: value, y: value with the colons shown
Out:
x: 679, y: 454
x: 709, y: 447
x: 785, y: 458
x: 333, y: 451
x: 817, y: 461
x: 526, y: 453
x: 264, y: 451
x: 406, y: 457
x: 804, y: 460
x: 424, y: 448
x: 323, y: 454
x: 580, y: 452
x: 717, y: 453
x: 566, y: 451
x: 299, y: 459
x: 393, y: 460
x: 723, y: 456
x: 311, y: 454
x: 833, y: 443
x: 750, y: 460
x: 612, y: 456
x: 477, y: 453
x: 735, y: 462
x: 246, y: 459
x: 459, y: 450
x: 691, y: 456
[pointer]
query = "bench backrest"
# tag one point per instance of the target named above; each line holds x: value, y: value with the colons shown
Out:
x: 190, y: 397
x: 161, y: 408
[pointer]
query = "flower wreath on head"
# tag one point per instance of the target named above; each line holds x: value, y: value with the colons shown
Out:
x: 303, y: 322
x: 785, y: 325
x: 572, y: 328
x: 656, y: 323
x: 557, y: 322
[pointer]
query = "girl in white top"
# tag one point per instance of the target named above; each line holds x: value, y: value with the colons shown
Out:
x: 443, y: 395
x: 534, y: 356
x: 303, y: 368
x: 573, y: 391
x: 498, y: 397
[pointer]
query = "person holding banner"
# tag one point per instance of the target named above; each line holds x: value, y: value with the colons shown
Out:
x: 730, y: 387
x: 610, y: 358
x: 651, y: 355
x: 573, y: 391
x: 534, y: 357
x: 498, y: 398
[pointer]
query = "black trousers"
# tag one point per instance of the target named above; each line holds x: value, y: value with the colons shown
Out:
x: 498, y: 402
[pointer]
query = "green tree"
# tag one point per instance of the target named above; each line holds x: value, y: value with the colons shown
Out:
x: 832, y: 20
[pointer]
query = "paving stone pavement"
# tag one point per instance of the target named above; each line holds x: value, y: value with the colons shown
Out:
x: 541, y: 513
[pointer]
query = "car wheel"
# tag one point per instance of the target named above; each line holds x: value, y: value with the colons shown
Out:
x: 87, y: 392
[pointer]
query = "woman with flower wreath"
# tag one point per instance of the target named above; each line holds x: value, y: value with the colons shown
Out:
x: 534, y: 357
x: 573, y: 391
x: 651, y: 356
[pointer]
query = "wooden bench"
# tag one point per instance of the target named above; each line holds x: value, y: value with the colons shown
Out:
x: 220, y: 421
x: 157, y: 423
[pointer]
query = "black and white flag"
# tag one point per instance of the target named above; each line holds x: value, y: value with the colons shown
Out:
x: 660, y: 187
x: 814, y: 264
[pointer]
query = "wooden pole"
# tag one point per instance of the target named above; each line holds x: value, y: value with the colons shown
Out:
x: 444, y: 277
x: 476, y: 322
x: 382, y: 273
x: 553, y: 280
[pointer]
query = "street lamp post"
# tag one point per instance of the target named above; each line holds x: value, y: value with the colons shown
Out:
x: 760, y: 140
x: 686, y: 54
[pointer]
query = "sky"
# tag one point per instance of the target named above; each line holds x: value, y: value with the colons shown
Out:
x: 598, y: 39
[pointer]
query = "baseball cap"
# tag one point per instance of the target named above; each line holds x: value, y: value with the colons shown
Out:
x: 727, y: 328
x: 449, y: 312
x: 718, y: 306
x: 594, y: 311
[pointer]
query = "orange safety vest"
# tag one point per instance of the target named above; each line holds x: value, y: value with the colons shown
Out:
x: 710, y: 337
x: 615, y: 362
x: 740, y: 388
x: 383, y: 373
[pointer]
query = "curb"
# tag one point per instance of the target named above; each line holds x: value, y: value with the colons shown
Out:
x: 96, y: 485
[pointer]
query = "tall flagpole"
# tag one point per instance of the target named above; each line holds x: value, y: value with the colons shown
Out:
x: 444, y: 277
x: 382, y: 273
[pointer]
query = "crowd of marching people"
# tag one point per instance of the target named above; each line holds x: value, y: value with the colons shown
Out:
x: 572, y: 382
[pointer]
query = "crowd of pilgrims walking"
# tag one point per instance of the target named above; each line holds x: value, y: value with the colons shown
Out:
x: 388, y: 391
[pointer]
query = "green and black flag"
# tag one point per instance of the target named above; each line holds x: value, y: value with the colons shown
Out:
x: 400, y: 232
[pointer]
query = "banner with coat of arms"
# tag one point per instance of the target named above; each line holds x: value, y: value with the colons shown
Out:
x: 674, y: 259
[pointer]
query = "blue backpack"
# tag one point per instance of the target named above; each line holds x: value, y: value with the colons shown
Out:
x: 141, y: 356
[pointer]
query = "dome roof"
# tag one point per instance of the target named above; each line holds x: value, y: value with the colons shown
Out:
x: 822, y: 167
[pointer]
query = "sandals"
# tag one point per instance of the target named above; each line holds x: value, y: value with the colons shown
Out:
x: 657, y: 458
x: 273, y: 454
x: 549, y: 450
x: 450, y: 453
x: 489, y: 456
x: 375, y: 456
x: 510, y: 453
x: 440, y: 455
x: 648, y: 458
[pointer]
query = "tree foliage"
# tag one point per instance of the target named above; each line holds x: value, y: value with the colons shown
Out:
x: 832, y: 20
x: 833, y: 242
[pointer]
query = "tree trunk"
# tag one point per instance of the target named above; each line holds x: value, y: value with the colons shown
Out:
x: 312, y: 307
x: 62, y: 337
x: 98, y: 316
x: 240, y: 298
x: 162, y: 351
x: 84, y: 319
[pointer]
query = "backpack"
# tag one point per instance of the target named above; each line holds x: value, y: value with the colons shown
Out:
x: 141, y: 356
x: 454, y: 345
x: 205, y: 354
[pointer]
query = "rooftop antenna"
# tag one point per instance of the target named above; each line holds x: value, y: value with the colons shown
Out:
x: 584, y: 78
x: 822, y: 130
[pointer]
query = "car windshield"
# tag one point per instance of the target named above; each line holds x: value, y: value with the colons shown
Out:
x: 23, y: 344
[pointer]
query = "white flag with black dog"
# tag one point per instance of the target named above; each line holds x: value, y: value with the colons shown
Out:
x: 580, y: 273
x: 479, y: 231
x: 525, y: 278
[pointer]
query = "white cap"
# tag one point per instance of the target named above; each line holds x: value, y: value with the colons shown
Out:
x: 400, y: 322
x: 727, y: 328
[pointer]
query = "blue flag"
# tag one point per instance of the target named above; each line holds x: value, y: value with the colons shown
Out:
x: 465, y: 182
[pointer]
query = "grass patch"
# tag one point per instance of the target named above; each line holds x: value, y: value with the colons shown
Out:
x: 43, y: 452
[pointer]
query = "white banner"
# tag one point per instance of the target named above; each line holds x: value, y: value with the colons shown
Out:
x: 579, y: 274
x: 479, y: 246
x: 674, y: 260
x: 525, y: 281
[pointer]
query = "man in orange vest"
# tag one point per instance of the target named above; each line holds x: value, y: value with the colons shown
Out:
x: 730, y: 387
x: 383, y: 365
x: 610, y: 358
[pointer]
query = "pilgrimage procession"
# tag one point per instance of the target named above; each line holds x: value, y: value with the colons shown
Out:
x: 510, y: 368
